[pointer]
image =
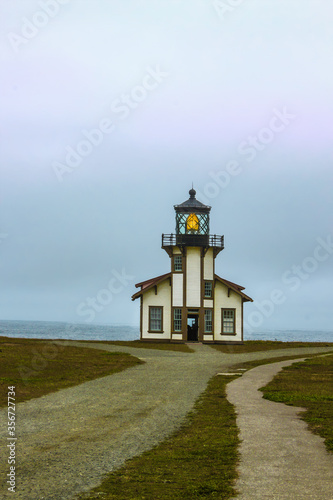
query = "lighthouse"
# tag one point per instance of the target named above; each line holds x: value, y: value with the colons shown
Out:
x: 191, y: 303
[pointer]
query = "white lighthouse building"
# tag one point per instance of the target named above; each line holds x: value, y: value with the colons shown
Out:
x: 191, y: 303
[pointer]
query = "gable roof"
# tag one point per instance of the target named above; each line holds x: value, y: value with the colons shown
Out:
x: 230, y: 283
x: 235, y: 287
x: 148, y: 284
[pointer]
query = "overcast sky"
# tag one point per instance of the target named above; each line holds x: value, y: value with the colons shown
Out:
x: 112, y: 108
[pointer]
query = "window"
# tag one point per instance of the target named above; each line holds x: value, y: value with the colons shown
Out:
x: 228, y: 321
x: 177, y: 263
x: 177, y: 320
x: 208, y: 289
x: 208, y: 320
x: 155, y: 319
x: 192, y: 223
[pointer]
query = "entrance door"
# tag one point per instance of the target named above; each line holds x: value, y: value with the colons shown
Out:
x: 192, y: 327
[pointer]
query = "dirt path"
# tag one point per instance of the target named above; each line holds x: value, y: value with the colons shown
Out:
x: 68, y: 440
x: 280, y: 458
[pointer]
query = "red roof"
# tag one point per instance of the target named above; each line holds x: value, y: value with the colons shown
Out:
x: 148, y: 284
x: 231, y: 283
x: 235, y: 287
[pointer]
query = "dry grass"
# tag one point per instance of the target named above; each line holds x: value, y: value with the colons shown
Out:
x: 36, y: 367
x: 195, y: 462
x: 265, y: 345
x: 164, y: 346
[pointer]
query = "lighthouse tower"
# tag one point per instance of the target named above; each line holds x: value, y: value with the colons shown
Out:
x: 191, y: 303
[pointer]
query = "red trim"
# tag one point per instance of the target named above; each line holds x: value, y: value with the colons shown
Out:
x: 148, y: 284
x: 233, y: 286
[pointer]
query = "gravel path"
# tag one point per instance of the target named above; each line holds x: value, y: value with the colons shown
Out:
x: 280, y: 458
x: 68, y: 440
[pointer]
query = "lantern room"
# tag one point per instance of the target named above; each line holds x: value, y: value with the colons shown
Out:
x: 192, y: 216
x: 192, y: 227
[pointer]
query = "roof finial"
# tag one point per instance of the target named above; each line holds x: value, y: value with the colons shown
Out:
x: 192, y: 192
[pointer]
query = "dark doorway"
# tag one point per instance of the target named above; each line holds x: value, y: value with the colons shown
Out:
x: 192, y: 327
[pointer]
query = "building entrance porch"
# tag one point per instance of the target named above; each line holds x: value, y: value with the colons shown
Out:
x: 193, y: 326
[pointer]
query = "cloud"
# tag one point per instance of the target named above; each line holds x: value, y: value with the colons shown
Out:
x: 225, y: 79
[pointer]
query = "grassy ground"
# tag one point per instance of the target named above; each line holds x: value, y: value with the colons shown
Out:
x: 248, y: 346
x: 150, y: 345
x: 195, y: 462
x: 257, y: 362
x: 309, y: 385
x: 265, y: 345
x: 37, y: 368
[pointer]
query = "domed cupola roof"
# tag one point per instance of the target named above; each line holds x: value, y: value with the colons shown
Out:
x: 192, y: 204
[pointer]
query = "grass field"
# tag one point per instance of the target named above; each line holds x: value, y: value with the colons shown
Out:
x: 195, y: 462
x: 308, y: 384
x: 265, y: 345
x: 248, y: 346
x: 166, y: 471
x: 37, y: 368
x: 168, y: 346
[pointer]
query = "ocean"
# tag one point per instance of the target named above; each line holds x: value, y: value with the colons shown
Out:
x: 59, y: 330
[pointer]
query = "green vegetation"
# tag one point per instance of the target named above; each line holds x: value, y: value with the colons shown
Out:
x: 37, y: 367
x: 150, y: 345
x: 195, y: 462
x: 266, y: 361
x: 265, y: 345
x: 308, y: 384
x: 248, y: 346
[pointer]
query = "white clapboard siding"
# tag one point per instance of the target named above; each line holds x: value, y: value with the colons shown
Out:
x: 209, y: 265
x: 177, y: 290
x: 193, y: 281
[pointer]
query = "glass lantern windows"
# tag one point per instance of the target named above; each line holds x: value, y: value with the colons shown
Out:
x: 192, y: 223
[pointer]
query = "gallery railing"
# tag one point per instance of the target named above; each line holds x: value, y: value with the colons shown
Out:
x: 201, y: 240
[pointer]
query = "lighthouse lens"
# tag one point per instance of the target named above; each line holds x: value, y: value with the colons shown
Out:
x: 192, y: 224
